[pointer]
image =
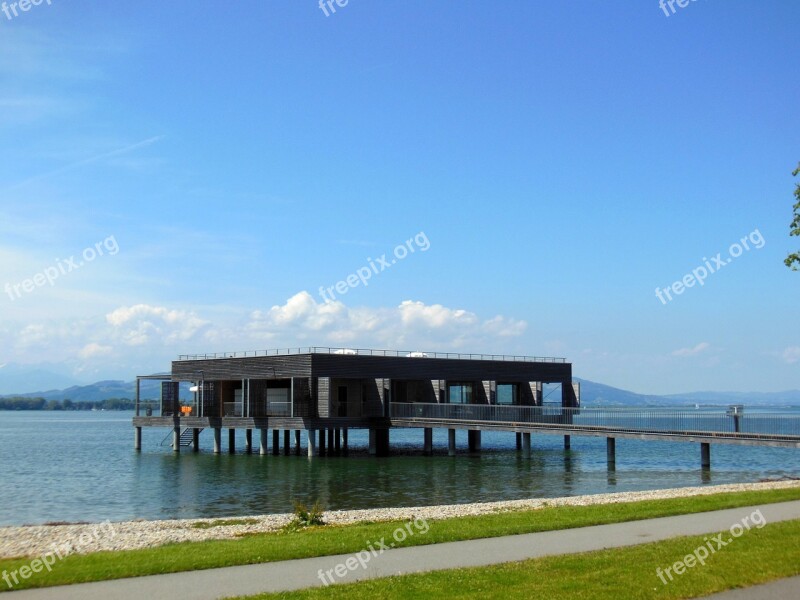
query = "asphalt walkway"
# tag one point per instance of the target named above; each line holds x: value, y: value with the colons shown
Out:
x: 213, y: 584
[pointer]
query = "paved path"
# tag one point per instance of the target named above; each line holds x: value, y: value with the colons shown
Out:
x: 297, y: 574
x: 782, y: 589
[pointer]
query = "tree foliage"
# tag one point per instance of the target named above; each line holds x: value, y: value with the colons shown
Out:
x: 793, y: 260
x: 23, y: 403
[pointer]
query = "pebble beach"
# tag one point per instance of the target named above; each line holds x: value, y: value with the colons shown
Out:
x: 131, y: 535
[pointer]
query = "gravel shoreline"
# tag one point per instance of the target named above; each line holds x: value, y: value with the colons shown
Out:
x: 130, y: 535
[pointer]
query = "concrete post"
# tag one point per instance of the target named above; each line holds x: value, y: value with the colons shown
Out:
x: 312, y: 443
x: 217, y: 440
x: 176, y: 438
x: 287, y: 442
x: 321, y: 442
x: 137, y: 438
x: 337, y: 440
x: 231, y: 441
x: 474, y: 440
x: 330, y: 441
x: 248, y: 441
x: 382, y: 438
x: 373, y: 443
x: 611, y: 451
x: 428, y: 435
x: 519, y: 441
x: 705, y: 455
x: 276, y: 442
x: 297, y: 441
x: 526, y: 445
x: 263, y: 442
x: 567, y: 442
x: 195, y: 440
x: 344, y: 440
x: 451, y: 442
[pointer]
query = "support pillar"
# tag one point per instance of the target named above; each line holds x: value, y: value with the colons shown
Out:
x: 176, y: 438
x: 567, y: 442
x: 337, y: 440
x: 526, y: 445
x: 382, y: 438
x: 428, y: 436
x: 451, y: 442
x: 287, y: 442
x: 297, y: 441
x: 137, y: 439
x: 264, y: 441
x: 322, y: 442
x: 344, y: 440
x: 373, y: 444
x: 519, y: 441
x: 611, y: 451
x: 330, y: 442
x: 231, y: 441
x: 217, y: 440
x: 474, y: 440
x: 276, y: 442
x: 705, y: 455
x: 196, y: 440
x: 248, y: 441
x: 312, y: 443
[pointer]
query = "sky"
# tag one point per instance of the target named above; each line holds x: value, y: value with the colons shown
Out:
x: 523, y: 177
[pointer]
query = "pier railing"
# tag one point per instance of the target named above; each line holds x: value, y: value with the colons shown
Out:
x: 371, y: 352
x: 628, y: 420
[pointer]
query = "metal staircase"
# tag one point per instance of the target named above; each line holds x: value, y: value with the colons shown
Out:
x: 186, y: 440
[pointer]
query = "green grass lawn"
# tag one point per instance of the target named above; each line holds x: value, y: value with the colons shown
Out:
x: 758, y: 556
x: 324, y: 541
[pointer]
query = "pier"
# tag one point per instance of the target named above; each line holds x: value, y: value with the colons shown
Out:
x: 320, y: 394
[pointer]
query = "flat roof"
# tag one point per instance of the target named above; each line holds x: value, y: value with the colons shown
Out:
x: 372, y: 352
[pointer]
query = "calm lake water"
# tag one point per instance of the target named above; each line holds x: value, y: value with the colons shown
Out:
x: 82, y: 467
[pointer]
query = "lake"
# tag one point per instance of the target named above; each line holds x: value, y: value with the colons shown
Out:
x: 81, y: 466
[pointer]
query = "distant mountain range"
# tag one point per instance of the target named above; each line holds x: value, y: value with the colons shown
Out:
x: 592, y: 394
x: 598, y: 394
x: 14, y: 377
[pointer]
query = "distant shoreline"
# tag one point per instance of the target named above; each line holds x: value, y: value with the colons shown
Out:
x: 31, y: 540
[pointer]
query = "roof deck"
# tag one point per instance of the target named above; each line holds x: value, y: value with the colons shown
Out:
x: 371, y: 352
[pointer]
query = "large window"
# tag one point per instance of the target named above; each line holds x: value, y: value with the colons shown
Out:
x: 507, y: 393
x: 460, y: 393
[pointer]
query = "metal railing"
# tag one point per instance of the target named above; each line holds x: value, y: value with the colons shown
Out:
x: 370, y: 352
x: 148, y: 408
x: 279, y: 409
x: 628, y: 420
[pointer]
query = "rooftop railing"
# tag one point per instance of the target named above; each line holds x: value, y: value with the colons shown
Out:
x: 371, y: 352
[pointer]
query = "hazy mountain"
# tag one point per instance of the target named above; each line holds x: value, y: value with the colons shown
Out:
x: 597, y: 394
x: 16, y: 378
x: 592, y: 394
x: 99, y: 391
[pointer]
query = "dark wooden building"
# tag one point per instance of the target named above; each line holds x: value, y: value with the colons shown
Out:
x: 335, y: 389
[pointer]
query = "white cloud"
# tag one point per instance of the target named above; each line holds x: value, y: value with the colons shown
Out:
x: 144, y: 337
x: 94, y: 349
x: 701, y: 347
x: 791, y: 355
x: 411, y: 323
x: 144, y: 324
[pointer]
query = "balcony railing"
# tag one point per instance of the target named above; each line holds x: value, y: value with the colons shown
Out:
x: 624, y: 420
x: 369, y: 352
x: 279, y: 409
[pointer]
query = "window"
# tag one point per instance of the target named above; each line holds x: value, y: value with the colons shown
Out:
x: 507, y: 393
x: 459, y: 393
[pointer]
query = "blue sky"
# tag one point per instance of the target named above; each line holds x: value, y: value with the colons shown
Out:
x: 563, y: 160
